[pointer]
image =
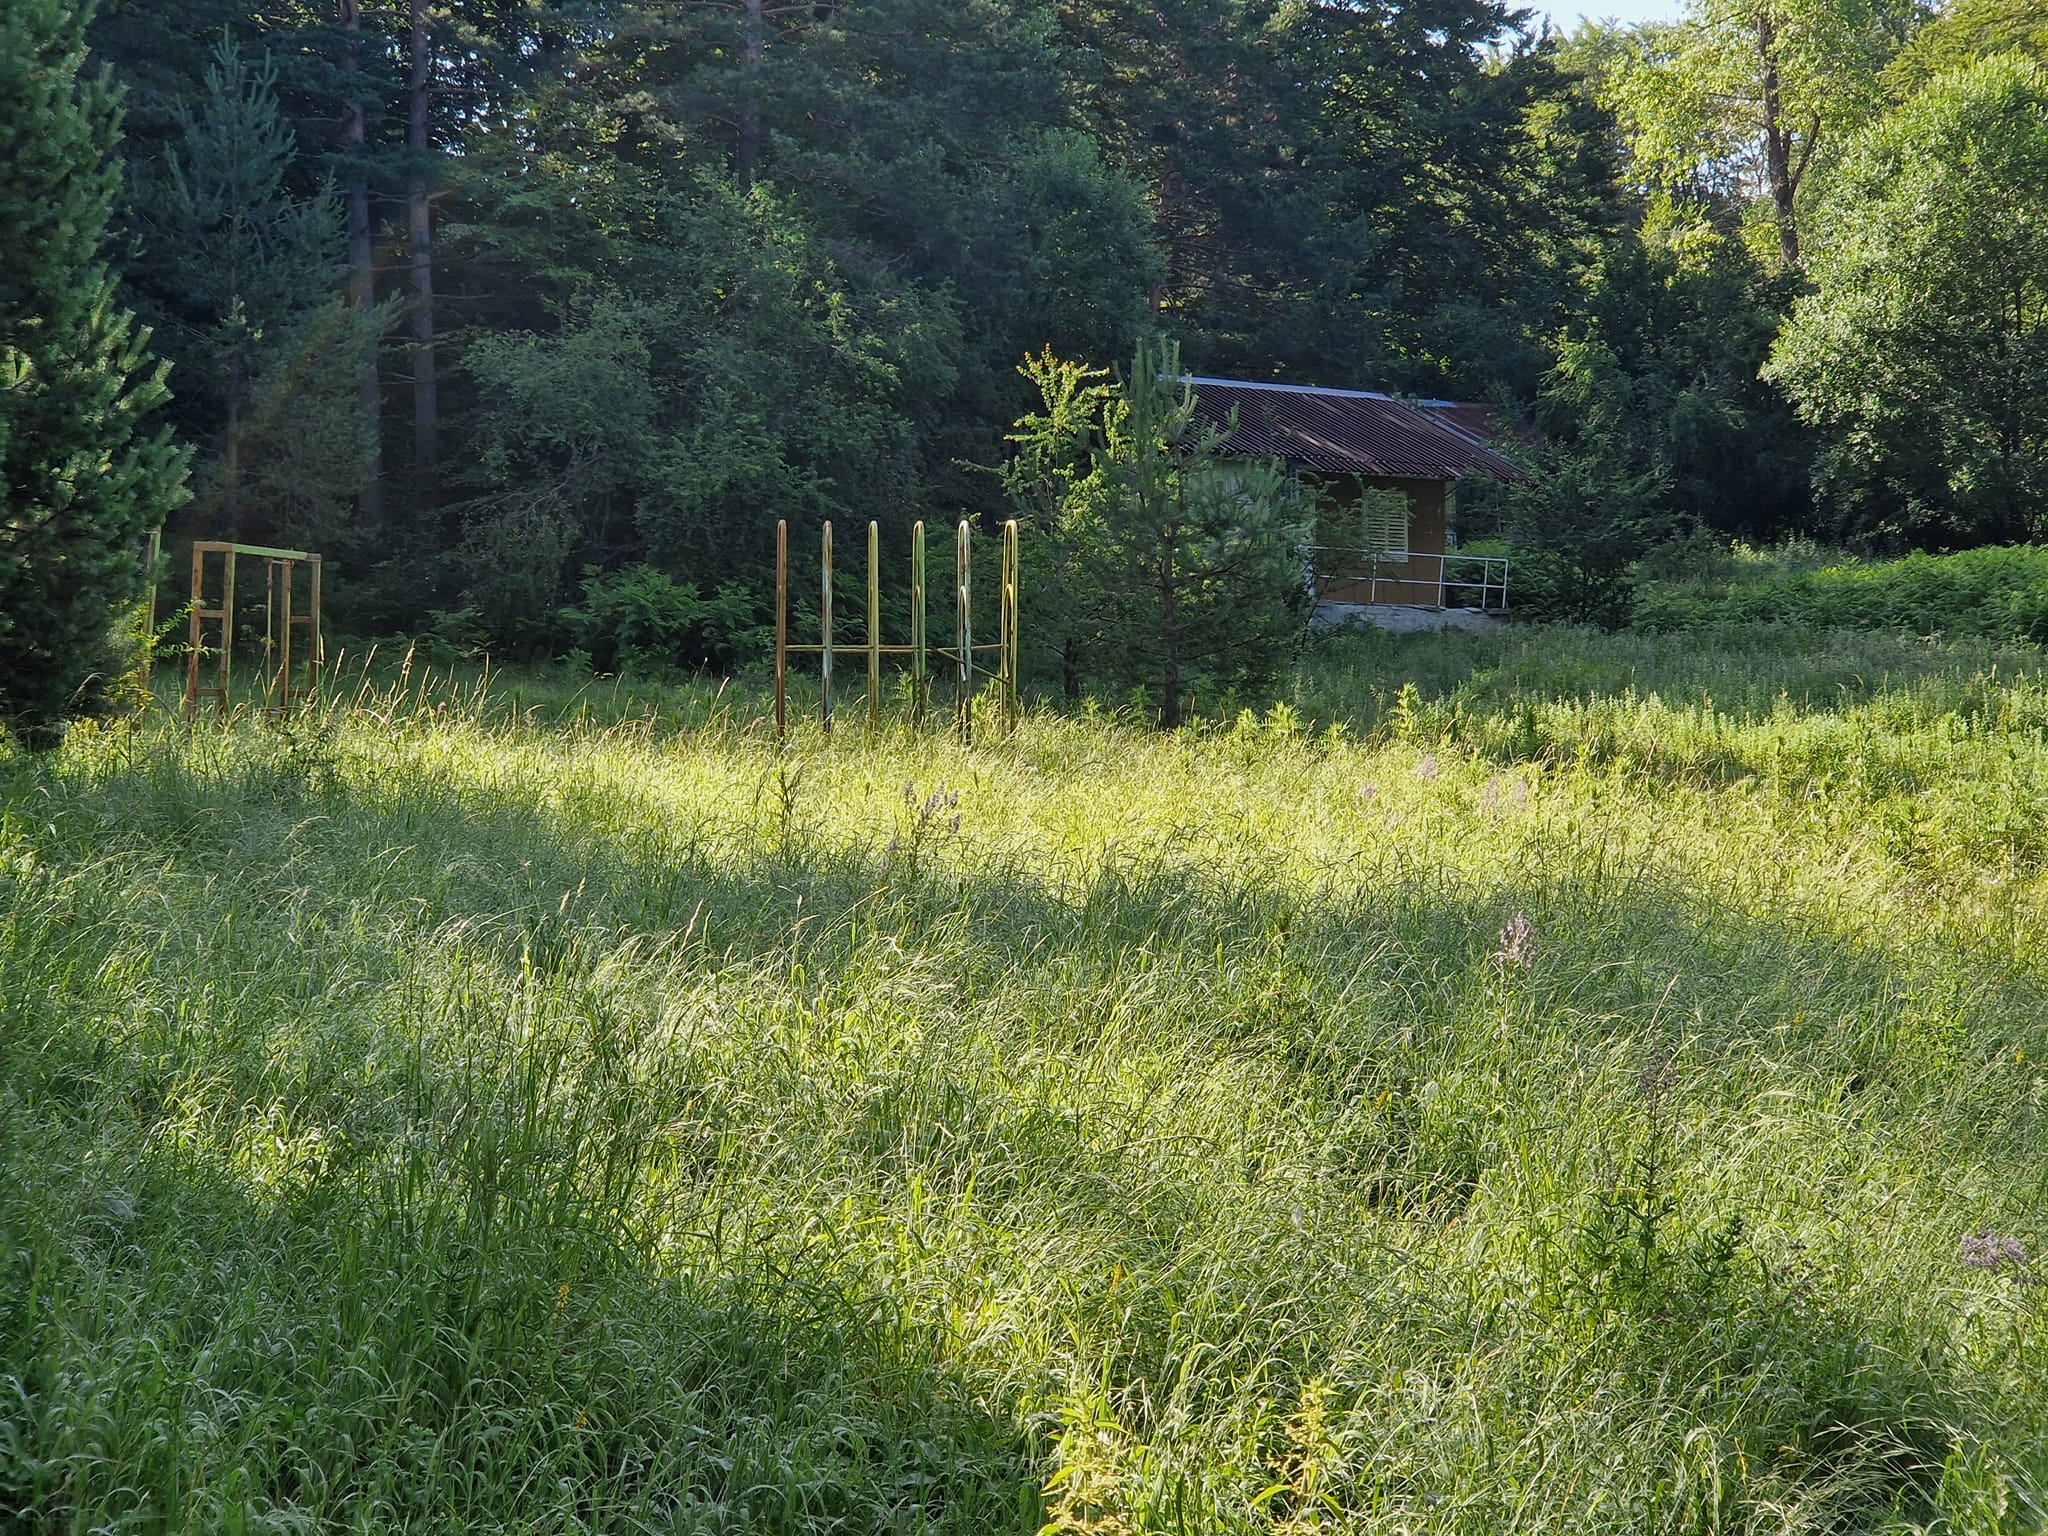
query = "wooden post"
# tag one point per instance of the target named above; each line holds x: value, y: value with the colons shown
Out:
x: 781, y: 628
x: 874, y: 624
x: 918, y: 683
x: 825, y: 624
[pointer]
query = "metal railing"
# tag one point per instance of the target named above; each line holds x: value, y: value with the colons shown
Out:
x: 1458, y: 580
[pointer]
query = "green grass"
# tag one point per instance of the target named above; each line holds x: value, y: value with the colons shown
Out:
x: 543, y: 1108
x: 1996, y: 592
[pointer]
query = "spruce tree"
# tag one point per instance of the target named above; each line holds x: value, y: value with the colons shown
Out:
x: 82, y: 474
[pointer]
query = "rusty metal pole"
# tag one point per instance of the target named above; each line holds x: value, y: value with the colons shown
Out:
x: 874, y: 624
x: 227, y: 630
x: 781, y: 628
x: 317, y: 652
x: 825, y: 623
x: 284, y: 639
x: 152, y: 552
x: 192, y: 633
x: 963, y: 598
x: 919, y: 684
x: 1010, y: 652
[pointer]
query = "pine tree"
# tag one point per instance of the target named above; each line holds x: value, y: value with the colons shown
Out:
x: 1180, y: 564
x: 242, y: 279
x: 83, y: 475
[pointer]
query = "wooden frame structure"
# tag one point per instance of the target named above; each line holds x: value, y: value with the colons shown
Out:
x: 961, y: 654
x: 280, y: 623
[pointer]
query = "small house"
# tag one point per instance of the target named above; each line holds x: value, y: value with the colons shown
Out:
x: 1383, y: 475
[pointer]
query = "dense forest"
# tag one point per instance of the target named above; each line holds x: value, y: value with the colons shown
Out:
x: 530, y: 312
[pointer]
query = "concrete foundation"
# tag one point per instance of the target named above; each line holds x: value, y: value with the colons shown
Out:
x: 1405, y: 619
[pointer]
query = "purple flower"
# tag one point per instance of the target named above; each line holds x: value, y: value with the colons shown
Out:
x: 1985, y: 1249
x: 1426, y: 770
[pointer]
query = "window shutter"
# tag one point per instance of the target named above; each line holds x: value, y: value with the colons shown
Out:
x: 1385, y: 516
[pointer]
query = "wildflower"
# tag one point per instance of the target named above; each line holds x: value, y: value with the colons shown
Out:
x: 1987, y: 1250
x: 1517, y: 950
x: 1426, y: 770
x: 1489, y: 797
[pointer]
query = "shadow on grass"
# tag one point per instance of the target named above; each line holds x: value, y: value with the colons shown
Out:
x: 437, y: 1288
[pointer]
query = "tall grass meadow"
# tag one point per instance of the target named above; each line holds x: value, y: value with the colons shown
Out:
x: 1539, y: 1082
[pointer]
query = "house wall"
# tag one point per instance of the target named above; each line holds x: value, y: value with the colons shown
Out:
x: 1417, y: 581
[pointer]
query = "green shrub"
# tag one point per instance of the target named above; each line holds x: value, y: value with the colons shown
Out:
x: 641, y: 617
x: 1999, y: 592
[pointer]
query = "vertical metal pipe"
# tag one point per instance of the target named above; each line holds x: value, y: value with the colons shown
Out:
x: 269, y: 673
x: 874, y: 624
x: 781, y: 628
x: 1003, y: 628
x: 317, y: 655
x: 151, y: 553
x: 227, y: 628
x: 284, y: 638
x: 1012, y: 575
x: 963, y: 598
x: 825, y: 625
x: 918, y: 684
x: 192, y: 632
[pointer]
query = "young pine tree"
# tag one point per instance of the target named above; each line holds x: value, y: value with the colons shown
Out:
x: 1182, y: 565
x: 82, y: 475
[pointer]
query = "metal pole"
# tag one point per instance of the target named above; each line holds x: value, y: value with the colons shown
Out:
x: 825, y: 621
x: 874, y: 624
x: 317, y: 653
x: 284, y: 640
x: 152, y: 552
x: 227, y: 629
x: 918, y: 683
x: 192, y: 634
x: 1010, y: 651
x: 963, y: 597
x: 781, y: 628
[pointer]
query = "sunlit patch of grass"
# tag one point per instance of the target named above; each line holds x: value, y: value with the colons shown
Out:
x: 1553, y: 1100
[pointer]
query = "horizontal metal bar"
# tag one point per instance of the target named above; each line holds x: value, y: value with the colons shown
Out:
x: 219, y: 547
x: 859, y: 648
x: 851, y: 647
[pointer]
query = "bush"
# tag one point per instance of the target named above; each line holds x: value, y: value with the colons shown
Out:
x: 1999, y: 592
x: 640, y: 617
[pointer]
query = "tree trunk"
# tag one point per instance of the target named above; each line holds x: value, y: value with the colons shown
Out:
x: 1777, y: 141
x: 425, y: 407
x: 753, y: 44
x: 362, y: 279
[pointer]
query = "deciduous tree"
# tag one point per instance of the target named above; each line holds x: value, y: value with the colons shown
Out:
x: 1923, y: 347
x: 1741, y: 98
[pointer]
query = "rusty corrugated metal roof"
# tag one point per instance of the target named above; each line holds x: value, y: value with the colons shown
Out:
x: 1355, y: 431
